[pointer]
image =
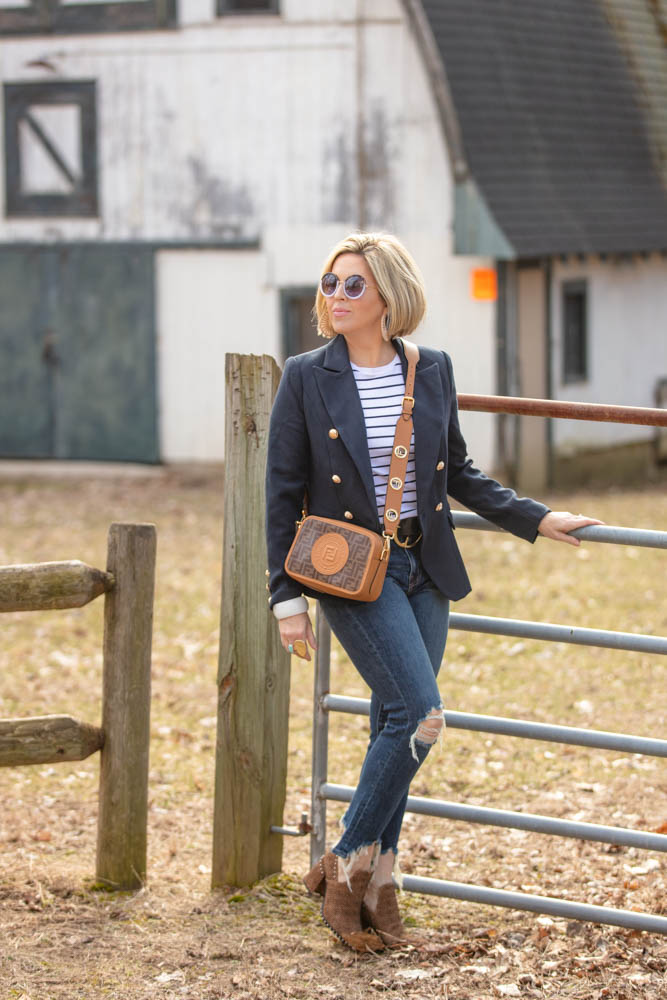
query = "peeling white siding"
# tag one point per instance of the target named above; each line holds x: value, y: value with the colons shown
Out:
x: 209, y: 302
x: 627, y: 315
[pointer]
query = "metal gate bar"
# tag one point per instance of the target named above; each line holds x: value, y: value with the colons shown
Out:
x: 519, y: 727
x: 532, y: 822
x: 605, y: 412
x: 559, y: 633
x: 605, y: 533
x: 536, y: 904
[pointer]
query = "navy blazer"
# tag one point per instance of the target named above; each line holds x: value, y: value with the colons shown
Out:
x: 317, y: 442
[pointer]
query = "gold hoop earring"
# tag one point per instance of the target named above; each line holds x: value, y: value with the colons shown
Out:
x: 385, y: 327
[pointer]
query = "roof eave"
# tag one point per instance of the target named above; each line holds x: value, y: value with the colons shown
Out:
x: 475, y: 228
x: 476, y: 231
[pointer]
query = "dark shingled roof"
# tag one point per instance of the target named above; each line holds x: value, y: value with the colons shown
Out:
x: 556, y: 124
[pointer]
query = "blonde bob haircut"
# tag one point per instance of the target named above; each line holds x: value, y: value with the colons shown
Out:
x: 396, y: 275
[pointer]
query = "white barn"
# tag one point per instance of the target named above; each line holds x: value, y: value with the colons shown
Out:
x: 175, y: 171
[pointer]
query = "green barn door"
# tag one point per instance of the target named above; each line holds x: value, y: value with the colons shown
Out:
x: 26, y: 383
x: 77, y: 353
x: 106, y: 404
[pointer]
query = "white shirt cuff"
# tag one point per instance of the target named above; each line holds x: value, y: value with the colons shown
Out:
x: 295, y: 606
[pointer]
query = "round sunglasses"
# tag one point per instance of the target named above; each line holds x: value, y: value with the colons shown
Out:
x: 354, y: 286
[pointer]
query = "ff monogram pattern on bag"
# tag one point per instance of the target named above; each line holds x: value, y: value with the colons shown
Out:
x: 350, y: 576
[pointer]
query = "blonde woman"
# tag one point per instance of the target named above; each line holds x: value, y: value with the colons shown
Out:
x: 331, y: 437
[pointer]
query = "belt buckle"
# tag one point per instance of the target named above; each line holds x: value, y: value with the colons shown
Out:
x: 407, y: 543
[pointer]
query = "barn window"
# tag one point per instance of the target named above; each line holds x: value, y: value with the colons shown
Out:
x: 248, y: 7
x: 72, y: 16
x: 575, y: 331
x: 50, y: 149
x: 299, y: 329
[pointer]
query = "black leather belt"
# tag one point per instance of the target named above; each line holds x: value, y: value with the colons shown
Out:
x: 408, y: 532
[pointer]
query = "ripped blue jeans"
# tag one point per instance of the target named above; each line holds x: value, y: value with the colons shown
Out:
x: 397, y: 644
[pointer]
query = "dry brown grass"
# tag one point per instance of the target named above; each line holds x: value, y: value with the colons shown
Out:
x: 176, y: 940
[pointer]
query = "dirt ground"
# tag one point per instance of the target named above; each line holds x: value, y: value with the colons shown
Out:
x: 60, y: 938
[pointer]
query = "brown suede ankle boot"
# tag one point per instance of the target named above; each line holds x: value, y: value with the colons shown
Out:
x: 385, y: 918
x: 341, y: 909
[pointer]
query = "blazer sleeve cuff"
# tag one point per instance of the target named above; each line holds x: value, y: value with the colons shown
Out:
x: 295, y: 606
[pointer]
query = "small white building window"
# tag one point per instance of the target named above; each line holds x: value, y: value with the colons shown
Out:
x: 575, y: 331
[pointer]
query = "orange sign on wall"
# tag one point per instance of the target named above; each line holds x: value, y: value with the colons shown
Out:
x: 484, y: 284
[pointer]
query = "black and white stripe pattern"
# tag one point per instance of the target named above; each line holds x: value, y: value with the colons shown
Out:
x: 381, y: 391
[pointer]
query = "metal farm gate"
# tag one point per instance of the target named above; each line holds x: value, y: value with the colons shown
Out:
x: 324, y: 702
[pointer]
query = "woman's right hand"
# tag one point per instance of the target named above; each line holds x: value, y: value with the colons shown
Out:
x: 297, y: 627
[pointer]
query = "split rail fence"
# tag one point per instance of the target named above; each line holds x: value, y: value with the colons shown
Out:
x: 123, y: 737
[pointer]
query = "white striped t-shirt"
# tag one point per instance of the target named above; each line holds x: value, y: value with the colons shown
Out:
x: 381, y: 391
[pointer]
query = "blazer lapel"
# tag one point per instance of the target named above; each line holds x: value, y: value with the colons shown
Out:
x: 335, y: 381
x: 428, y: 418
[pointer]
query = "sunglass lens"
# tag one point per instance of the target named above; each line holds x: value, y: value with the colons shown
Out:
x: 354, y: 286
x: 328, y: 284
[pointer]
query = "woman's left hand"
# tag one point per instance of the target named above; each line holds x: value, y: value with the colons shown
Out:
x: 558, y: 524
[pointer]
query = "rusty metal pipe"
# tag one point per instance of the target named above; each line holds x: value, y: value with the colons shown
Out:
x: 606, y: 412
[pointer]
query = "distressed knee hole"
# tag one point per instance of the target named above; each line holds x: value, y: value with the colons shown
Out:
x: 428, y: 730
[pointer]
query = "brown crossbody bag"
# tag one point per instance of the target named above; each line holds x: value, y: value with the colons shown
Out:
x: 342, y: 559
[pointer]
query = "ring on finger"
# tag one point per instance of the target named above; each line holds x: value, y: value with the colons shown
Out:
x: 290, y: 648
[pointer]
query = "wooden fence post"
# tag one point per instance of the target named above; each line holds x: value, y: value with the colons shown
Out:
x: 126, y: 693
x: 253, y: 675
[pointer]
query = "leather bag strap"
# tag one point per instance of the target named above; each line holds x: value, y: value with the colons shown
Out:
x: 400, y: 453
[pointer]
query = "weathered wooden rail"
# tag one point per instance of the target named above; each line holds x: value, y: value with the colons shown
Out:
x: 123, y: 737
